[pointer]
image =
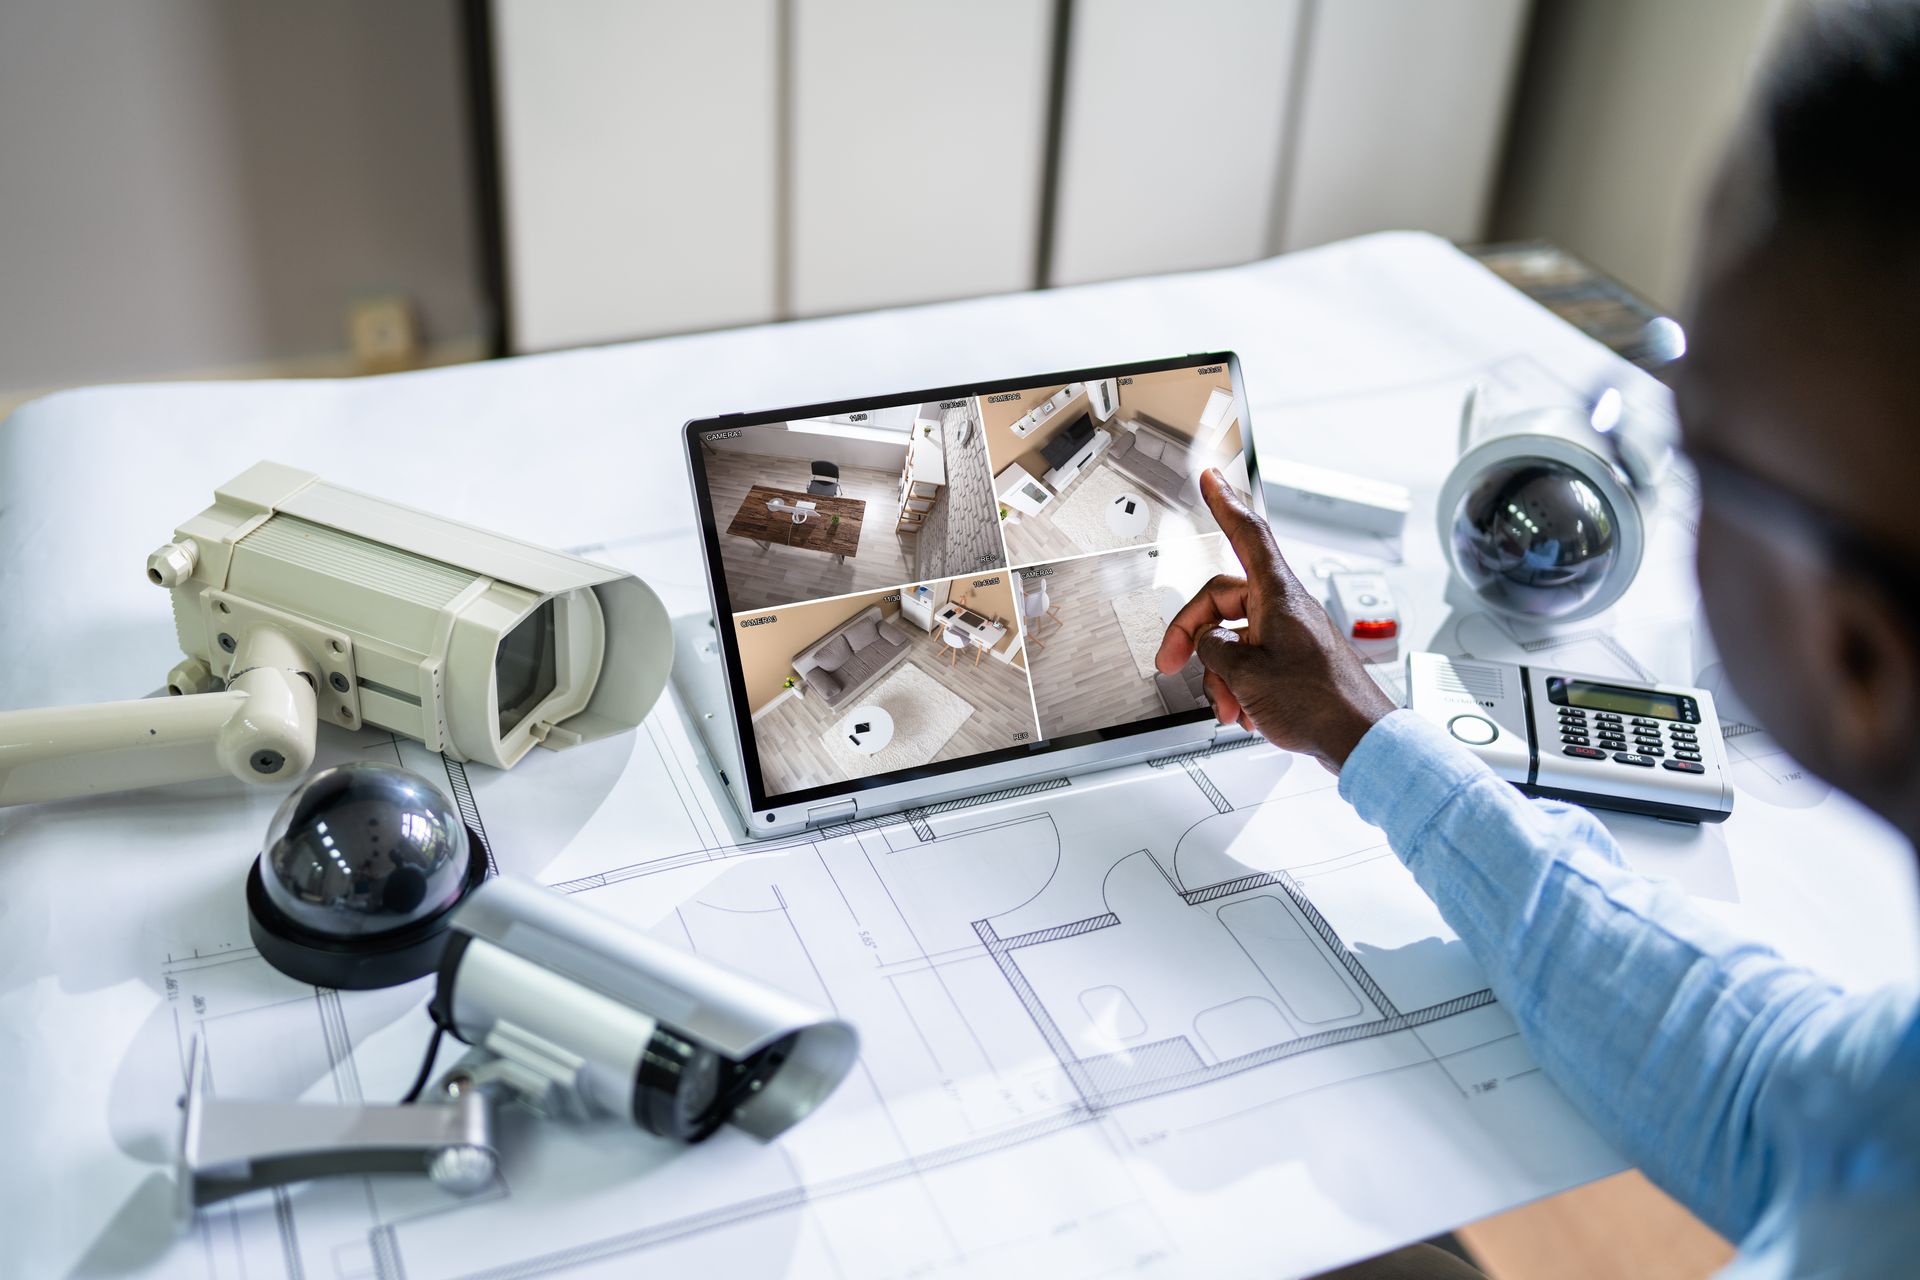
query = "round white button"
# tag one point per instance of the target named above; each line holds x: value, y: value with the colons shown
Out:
x: 1472, y: 730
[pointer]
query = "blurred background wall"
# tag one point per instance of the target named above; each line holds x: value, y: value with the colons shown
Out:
x: 211, y: 187
x: 1624, y: 106
x: 204, y: 185
x: 668, y: 168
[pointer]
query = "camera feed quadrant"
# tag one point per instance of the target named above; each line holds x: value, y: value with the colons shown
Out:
x: 880, y: 681
x: 864, y: 500
x: 1094, y: 626
x: 1099, y: 466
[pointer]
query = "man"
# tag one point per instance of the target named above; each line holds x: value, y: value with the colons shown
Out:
x: 1782, y: 1111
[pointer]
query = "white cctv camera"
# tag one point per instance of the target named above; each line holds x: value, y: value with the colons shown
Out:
x: 649, y: 1033
x: 567, y: 1011
x: 297, y: 600
x: 1542, y: 517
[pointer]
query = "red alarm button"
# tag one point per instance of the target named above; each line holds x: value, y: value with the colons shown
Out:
x: 1375, y: 629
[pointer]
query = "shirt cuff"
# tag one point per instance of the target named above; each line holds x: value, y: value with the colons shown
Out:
x: 1404, y: 771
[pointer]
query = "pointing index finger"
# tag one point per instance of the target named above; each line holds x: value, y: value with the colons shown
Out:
x: 1248, y: 534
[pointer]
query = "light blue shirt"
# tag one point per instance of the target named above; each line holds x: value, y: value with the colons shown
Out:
x: 1778, y: 1108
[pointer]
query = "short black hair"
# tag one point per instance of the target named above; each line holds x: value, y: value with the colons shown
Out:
x: 1840, y: 119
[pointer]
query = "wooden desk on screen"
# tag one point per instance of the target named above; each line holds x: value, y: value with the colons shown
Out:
x: 819, y: 533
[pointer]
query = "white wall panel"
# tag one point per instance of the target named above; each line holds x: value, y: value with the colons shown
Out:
x: 669, y: 167
x: 918, y: 138
x: 1172, y: 136
x: 638, y: 166
x: 1401, y: 118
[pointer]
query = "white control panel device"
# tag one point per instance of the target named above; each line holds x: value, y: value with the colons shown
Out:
x: 1653, y: 749
x: 1362, y: 606
x: 1334, y: 497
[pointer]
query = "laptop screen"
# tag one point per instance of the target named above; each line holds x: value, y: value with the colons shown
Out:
x: 917, y: 585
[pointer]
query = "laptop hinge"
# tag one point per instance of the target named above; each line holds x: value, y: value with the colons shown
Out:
x: 828, y: 815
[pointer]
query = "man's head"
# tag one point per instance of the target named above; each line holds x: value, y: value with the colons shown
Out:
x: 1800, y: 396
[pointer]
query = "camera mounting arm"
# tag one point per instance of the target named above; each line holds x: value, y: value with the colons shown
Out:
x: 260, y: 728
x: 229, y: 1147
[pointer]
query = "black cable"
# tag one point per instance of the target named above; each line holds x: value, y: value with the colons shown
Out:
x: 426, y: 1067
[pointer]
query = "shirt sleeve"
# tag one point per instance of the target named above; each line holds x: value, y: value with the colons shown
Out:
x: 1696, y: 1052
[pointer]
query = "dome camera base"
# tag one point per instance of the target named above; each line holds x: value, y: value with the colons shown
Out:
x: 360, y: 963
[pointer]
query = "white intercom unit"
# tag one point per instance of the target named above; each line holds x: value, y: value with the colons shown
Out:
x: 1653, y: 749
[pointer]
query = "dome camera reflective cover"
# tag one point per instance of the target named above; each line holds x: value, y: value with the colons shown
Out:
x: 1537, y: 522
x: 1536, y: 536
x: 358, y: 878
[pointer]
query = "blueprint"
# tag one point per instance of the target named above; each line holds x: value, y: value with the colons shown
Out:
x: 1190, y: 1018
x: 1100, y: 1035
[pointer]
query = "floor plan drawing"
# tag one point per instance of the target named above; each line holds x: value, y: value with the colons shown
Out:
x: 1073, y: 1022
x: 1157, y: 1037
x: 1191, y: 1018
x: 1096, y: 1037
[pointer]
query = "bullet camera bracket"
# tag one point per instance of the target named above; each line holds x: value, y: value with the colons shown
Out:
x: 337, y: 690
x: 229, y: 1147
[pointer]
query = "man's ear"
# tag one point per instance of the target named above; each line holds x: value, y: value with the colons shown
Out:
x: 1875, y: 685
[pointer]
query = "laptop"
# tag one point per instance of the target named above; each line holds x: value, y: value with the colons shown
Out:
x: 940, y: 594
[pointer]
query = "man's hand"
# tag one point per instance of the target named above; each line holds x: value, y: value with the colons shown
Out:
x: 1288, y: 673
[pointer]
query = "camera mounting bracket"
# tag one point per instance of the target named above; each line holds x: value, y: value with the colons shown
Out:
x: 229, y: 1147
x: 337, y: 689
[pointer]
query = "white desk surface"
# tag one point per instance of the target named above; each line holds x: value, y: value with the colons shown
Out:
x: 985, y: 635
x: 1354, y: 356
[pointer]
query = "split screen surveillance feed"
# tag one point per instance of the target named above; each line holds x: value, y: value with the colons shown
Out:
x: 922, y: 583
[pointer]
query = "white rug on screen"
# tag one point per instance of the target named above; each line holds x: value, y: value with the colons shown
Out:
x: 925, y: 714
x: 1142, y: 623
x: 1082, y: 514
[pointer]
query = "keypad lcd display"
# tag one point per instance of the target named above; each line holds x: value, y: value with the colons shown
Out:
x: 1612, y: 697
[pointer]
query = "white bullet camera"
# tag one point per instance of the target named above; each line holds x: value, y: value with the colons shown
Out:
x: 297, y: 600
x: 566, y: 1011
x: 643, y: 1031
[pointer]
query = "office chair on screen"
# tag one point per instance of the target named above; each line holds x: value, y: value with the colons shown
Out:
x: 957, y: 641
x: 826, y: 480
x: 1038, y: 607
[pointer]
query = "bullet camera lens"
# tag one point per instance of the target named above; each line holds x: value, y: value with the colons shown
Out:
x: 678, y: 1084
x: 686, y: 1091
x: 362, y: 866
x: 524, y: 667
